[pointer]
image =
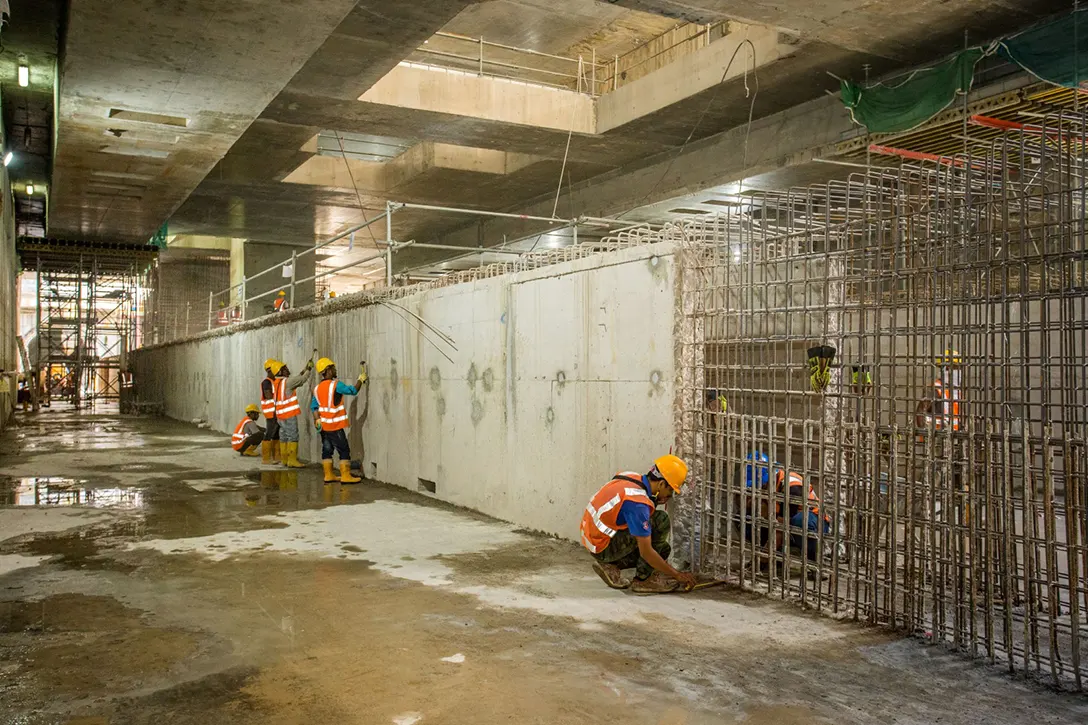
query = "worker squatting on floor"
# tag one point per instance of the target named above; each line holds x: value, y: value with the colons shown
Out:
x: 331, y: 418
x: 625, y: 525
x: 247, y: 434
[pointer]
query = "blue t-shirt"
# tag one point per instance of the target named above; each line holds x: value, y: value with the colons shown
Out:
x: 341, y: 387
x: 636, y: 515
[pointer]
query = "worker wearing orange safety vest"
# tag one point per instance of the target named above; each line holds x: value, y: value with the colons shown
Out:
x: 270, y: 447
x: 280, y: 303
x: 288, y: 410
x: 943, y: 408
x: 247, y: 434
x: 625, y: 525
x: 331, y: 419
x: 797, y: 491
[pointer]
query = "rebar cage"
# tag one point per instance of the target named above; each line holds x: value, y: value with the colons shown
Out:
x: 883, y: 396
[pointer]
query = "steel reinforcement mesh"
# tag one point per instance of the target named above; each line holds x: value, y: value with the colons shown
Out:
x: 908, y: 348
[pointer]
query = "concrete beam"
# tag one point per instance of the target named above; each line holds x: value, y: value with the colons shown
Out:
x: 698, y: 71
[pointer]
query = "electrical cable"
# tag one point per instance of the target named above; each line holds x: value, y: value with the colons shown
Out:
x: 706, y: 110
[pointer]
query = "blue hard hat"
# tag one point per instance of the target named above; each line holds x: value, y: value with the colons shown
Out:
x: 762, y: 473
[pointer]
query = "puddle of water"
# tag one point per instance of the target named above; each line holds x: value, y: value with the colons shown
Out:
x: 64, y: 491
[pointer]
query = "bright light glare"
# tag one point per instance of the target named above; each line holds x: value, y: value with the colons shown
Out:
x: 24, y: 76
x: 7, y: 158
x: 29, y: 189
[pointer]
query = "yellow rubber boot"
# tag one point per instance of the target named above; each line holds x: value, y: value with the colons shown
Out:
x: 266, y: 452
x: 277, y: 451
x: 290, y: 458
x: 345, y: 473
x: 252, y: 451
x: 330, y: 475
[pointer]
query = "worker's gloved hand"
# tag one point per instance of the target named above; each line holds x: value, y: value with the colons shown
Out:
x: 686, y: 579
x: 362, y: 372
x: 317, y: 425
x: 310, y: 364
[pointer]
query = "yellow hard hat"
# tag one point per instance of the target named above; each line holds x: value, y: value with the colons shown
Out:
x: 673, y: 470
x: 282, y: 294
x: 251, y: 408
x: 324, y: 363
x: 950, y: 357
x: 273, y: 364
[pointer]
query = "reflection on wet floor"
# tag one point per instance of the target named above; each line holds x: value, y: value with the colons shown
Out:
x: 63, y: 491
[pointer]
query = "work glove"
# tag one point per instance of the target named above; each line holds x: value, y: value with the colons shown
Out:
x: 317, y: 425
x: 362, y: 372
x: 819, y: 366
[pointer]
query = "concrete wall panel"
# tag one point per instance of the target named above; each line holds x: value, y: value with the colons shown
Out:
x: 561, y: 376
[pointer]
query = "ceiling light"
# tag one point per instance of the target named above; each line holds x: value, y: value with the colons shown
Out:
x: 7, y: 157
x: 29, y: 189
x: 24, y: 76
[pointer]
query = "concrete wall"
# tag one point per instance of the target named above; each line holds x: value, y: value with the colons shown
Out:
x: 562, y: 376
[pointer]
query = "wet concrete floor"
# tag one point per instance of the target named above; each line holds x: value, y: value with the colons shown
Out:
x: 150, y: 575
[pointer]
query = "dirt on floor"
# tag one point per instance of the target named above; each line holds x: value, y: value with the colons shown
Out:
x: 268, y: 597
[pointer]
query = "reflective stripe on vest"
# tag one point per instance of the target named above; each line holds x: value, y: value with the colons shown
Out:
x: 239, y: 436
x: 286, y: 400
x: 268, y: 405
x: 949, y: 406
x: 797, y: 481
x: 333, y: 416
x: 600, y: 520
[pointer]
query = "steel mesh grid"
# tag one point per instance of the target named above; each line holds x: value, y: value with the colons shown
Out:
x: 956, y: 513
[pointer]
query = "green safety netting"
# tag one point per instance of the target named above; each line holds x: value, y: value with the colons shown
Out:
x: 909, y: 102
x: 159, y: 238
x: 1055, y: 50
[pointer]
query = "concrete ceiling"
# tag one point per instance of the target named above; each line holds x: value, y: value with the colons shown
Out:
x: 224, y: 176
x: 159, y: 92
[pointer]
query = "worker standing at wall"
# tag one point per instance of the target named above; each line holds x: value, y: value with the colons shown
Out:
x: 331, y: 418
x: 270, y: 446
x: 288, y: 410
x: 625, y: 525
x: 247, y: 434
x: 281, y: 304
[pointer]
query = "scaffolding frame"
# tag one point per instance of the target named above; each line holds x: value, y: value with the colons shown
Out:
x: 941, y: 451
x: 87, y: 319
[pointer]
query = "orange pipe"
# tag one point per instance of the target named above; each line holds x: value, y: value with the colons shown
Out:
x: 914, y: 155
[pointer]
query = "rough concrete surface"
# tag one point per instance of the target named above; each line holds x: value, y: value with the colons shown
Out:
x: 168, y: 580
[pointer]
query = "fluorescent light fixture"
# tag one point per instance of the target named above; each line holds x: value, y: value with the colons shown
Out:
x: 8, y: 157
x: 24, y: 76
x: 29, y: 188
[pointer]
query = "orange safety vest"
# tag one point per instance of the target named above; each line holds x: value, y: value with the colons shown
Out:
x: 332, y: 413
x: 796, y: 486
x: 239, y: 437
x: 268, y: 405
x: 600, y: 521
x: 949, y: 403
x: 280, y: 304
x: 286, y: 400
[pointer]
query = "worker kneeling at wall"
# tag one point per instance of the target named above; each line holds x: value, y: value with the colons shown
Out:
x: 625, y: 525
x: 331, y: 418
x: 247, y: 434
x: 758, y: 476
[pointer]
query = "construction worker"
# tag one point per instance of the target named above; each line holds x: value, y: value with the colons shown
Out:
x: 247, y: 434
x: 758, y: 476
x: 625, y: 525
x: 943, y: 408
x: 288, y: 410
x: 280, y: 304
x: 270, y: 446
x: 331, y: 418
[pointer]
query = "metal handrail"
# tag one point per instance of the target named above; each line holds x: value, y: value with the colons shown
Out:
x: 391, y: 247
